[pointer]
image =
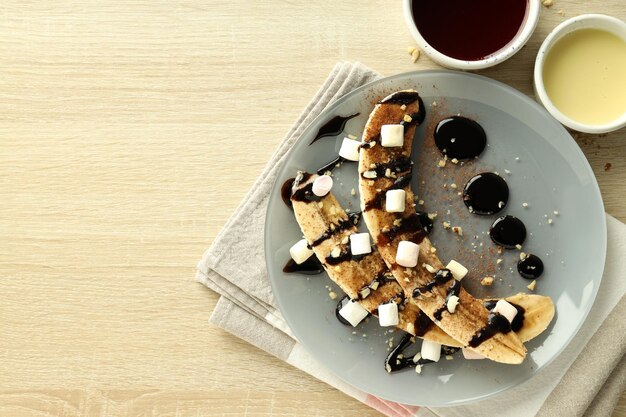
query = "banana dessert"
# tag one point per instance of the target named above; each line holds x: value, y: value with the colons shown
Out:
x: 363, y: 275
x: 351, y: 262
x: 387, y: 204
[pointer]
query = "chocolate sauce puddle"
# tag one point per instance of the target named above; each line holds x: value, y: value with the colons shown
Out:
x: 333, y: 127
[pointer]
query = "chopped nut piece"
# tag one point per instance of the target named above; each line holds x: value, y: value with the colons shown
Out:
x: 441, y: 163
x: 420, y: 202
x: 556, y: 213
x: 518, y: 247
x: 506, y: 171
x: 446, y: 225
x: 434, y: 104
x: 532, y: 285
x: 429, y: 268
x: 415, y: 55
x: 525, y: 205
x: 397, y: 222
x: 453, y: 186
x: 410, y: 49
x: 498, y: 261
x: 388, y: 172
x: 432, y: 216
x: 547, y: 3
x: 403, y: 107
x: 487, y: 281
x: 335, y: 252
x: 500, y: 204
x: 353, y: 191
x: 332, y: 295
x: 522, y: 256
x: 454, y: 161
x: 345, y: 240
x: 433, y: 249
x: 369, y: 174
x: 561, y: 12
x: 549, y: 221
x: 449, y: 357
x: 418, y: 369
x: 458, y: 230
x: 407, y: 118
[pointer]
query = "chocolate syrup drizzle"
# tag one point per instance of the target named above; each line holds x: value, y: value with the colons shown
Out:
x: 441, y: 277
x: 496, y: 323
x: 454, y: 290
x: 311, y: 266
x: 332, y: 165
x: 333, y: 127
x: 409, y: 225
x: 518, y: 321
x: 396, y: 361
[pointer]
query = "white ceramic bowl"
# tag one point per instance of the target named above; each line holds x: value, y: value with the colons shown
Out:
x: 522, y: 36
x: 585, y: 21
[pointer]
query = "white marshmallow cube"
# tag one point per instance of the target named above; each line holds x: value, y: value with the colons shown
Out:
x: 451, y: 304
x: 505, y: 308
x: 458, y: 270
x: 300, y: 251
x: 353, y: 312
x: 394, y: 201
x: 471, y: 355
x: 392, y: 135
x: 349, y: 149
x: 407, y: 254
x: 431, y: 350
x: 360, y: 243
x: 322, y: 185
x: 388, y: 314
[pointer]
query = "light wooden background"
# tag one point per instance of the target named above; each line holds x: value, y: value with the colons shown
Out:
x: 129, y: 131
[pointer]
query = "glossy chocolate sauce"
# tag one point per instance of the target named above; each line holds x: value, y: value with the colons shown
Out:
x: 459, y: 137
x: 496, y: 323
x: 468, y: 30
x: 333, y: 127
x: 441, y: 277
x: 486, y: 193
x: 396, y: 360
x: 341, y: 226
x: 508, y: 232
x: 396, y: 166
x: 423, y: 323
x: 454, y: 290
x: 409, y: 225
x: 331, y: 165
x: 311, y: 266
x: 285, y: 192
x: 427, y: 222
x: 531, y: 267
x: 518, y: 321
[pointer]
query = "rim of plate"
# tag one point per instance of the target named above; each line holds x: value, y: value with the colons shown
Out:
x: 273, y: 199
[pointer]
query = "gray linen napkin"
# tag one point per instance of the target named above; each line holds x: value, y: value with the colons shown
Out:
x: 591, y: 387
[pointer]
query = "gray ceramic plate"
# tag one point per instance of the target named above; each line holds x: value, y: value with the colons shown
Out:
x: 543, y: 167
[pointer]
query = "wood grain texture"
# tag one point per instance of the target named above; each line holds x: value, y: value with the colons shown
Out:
x: 129, y: 133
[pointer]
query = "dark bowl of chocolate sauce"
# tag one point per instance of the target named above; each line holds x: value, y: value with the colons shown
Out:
x: 470, y: 35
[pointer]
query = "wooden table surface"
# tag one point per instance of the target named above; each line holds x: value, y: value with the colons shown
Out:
x: 129, y: 133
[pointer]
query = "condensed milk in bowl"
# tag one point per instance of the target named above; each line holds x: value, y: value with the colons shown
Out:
x: 580, y: 73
